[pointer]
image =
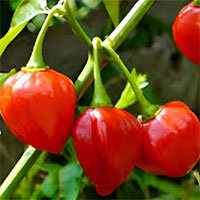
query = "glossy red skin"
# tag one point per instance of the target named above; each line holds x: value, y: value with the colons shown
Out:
x: 107, y: 142
x: 171, y: 141
x: 39, y: 108
x: 186, y: 31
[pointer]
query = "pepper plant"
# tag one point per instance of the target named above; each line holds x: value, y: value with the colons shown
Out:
x: 108, y: 145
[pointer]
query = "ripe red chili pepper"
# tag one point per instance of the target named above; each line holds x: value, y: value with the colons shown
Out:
x: 38, y: 107
x: 171, y: 141
x: 107, y: 142
x: 186, y: 31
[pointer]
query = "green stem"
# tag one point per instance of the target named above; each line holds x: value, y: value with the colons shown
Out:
x: 100, y: 96
x: 18, y: 172
x: 115, y: 39
x: 36, y: 60
x: 196, y: 2
x: 77, y: 29
x: 148, y: 109
x: 31, y: 155
x: 84, y: 75
x: 129, y: 22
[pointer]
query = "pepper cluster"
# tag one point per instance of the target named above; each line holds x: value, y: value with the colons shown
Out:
x: 38, y: 106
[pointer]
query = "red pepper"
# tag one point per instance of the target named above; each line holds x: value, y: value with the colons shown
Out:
x: 107, y: 142
x: 38, y: 107
x: 186, y: 31
x: 171, y: 141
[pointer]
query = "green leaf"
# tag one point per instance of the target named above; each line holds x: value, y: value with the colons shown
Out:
x: 50, y: 166
x: 128, y: 97
x: 4, y: 77
x: 70, y: 177
x: 50, y: 184
x: 112, y: 7
x: 26, y: 10
x: 197, y: 176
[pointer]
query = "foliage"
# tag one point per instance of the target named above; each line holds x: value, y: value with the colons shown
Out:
x: 25, y: 11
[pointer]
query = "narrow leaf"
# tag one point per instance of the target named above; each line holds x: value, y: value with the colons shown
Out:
x: 26, y: 10
x: 112, y: 7
x: 4, y: 77
x: 70, y: 177
x: 128, y: 97
x: 197, y: 176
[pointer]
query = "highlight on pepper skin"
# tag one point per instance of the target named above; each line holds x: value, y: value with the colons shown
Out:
x: 38, y: 107
x: 171, y: 143
x: 186, y: 31
x: 107, y: 142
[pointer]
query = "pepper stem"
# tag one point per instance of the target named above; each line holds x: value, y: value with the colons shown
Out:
x: 36, y: 60
x: 196, y: 2
x: 76, y: 27
x: 148, y: 109
x: 100, y: 96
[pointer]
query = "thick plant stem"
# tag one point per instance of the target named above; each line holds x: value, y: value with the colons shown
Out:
x: 23, y: 165
x: 36, y: 60
x: 129, y: 22
x: 100, y: 96
x: 84, y: 75
x: 148, y: 109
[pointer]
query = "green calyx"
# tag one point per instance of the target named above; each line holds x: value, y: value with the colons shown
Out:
x: 100, y: 96
x: 33, y: 69
x: 196, y: 2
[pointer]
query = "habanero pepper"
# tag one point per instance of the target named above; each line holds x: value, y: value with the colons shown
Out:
x: 186, y: 32
x: 108, y: 142
x: 38, y: 107
x: 171, y: 144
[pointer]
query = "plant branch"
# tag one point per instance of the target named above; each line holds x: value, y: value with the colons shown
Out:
x: 83, y: 81
x: 76, y: 27
x: 100, y: 96
x: 84, y: 75
x: 115, y: 39
x: 18, y: 172
x: 121, y: 32
x: 148, y: 109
